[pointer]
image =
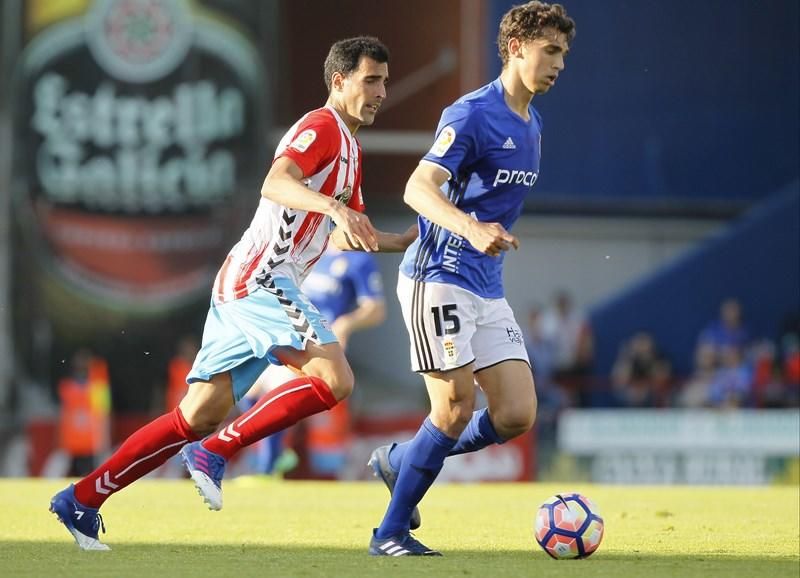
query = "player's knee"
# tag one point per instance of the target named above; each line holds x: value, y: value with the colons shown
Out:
x: 342, y: 389
x: 205, y: 406
x: 340, y: 382
x: 515, y: 420
x: 203, y: 421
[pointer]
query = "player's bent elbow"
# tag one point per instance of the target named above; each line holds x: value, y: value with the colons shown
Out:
x: 413, y: 195
x: 268, y: 188
x: 408, y: 196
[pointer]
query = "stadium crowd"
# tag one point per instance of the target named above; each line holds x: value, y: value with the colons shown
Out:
x: 730, y: 369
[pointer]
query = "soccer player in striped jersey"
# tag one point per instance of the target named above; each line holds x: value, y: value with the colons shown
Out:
x: 258, y: 316
x: 469, y: 190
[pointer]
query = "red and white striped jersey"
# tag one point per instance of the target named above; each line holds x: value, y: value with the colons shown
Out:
x: 284, y: 242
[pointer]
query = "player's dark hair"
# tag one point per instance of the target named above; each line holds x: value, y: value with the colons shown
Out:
x: 528, y: 21
x: 345, y: 55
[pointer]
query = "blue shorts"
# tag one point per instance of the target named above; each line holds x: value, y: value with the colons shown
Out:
x: 240, y: 335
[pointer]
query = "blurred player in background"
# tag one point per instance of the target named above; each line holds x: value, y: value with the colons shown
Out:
x: 469, y: 190
x: 347, y: 289
x: 258, y: 316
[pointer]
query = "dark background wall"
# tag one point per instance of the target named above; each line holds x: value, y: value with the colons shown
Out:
x: 681, y: 99
x: 755, y: 260
x: 432, y: 62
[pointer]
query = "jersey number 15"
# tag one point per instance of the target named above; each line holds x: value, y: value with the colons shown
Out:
x: 446, y: 314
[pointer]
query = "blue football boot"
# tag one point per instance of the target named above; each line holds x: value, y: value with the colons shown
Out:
x: 399, y: 546
x: 206, y: 469
x: 82, y: 522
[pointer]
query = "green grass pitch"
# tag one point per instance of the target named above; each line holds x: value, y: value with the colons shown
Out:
x: 298, y: 529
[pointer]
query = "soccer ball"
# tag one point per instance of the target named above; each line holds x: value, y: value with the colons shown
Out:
x: 568, y: 526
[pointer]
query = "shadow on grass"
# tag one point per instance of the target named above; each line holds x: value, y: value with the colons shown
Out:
x: 26, y: 558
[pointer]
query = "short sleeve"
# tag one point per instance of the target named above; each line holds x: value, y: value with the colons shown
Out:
x: 457, y: 143
x: 315, y: 143
x: 365, y: 276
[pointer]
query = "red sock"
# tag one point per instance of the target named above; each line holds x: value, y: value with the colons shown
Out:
x: 145, y: 450
x: 275, y: 411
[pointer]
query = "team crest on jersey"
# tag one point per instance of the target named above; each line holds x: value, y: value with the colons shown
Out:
x: 304, y: 140
x: 442, y: 144
x: 450, y: 350
x: 345, y: 194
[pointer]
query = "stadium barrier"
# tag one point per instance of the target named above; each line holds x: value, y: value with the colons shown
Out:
x: 627, y: 446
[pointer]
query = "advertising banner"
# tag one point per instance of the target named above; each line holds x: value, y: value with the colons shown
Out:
x: 683, y: 446
x: 138, y: 156
x: 136, y: 124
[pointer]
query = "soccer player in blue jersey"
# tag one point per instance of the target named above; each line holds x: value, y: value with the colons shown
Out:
x: 347, y: 289
x: 469, y: 190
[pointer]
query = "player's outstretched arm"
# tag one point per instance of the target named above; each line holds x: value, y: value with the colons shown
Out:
x: 424, y: 195
x: 387, y: 242
x: 284, y: 186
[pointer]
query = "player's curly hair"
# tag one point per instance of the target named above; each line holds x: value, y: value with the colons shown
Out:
x: 345, y: 55
x: 528, y: 21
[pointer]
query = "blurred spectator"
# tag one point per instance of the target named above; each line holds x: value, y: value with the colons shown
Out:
x: 695, y: 392
x: 765, y: 375
x: 85, y: 396
x: 569, y: 331
x: 177, y: 370
x: 727, y: 331
x: 791, y: 369
x: 732, y: 383
x: 541, y: 351
x: 641, y: 377
x: 776, y: 369
x: 790, y: 357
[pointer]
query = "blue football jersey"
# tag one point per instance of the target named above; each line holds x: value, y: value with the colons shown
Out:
x: 340, y: 279
x: 492, y: 155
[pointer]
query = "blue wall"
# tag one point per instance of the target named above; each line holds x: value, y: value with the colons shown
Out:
x: 680, y: 99
x: 756, y: 260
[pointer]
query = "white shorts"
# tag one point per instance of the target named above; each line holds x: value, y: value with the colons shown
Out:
x: 451, y: 327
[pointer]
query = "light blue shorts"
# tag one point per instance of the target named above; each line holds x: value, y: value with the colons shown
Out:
x: 240, y: 335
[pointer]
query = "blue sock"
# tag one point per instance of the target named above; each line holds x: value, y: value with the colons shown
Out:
x: 269, y: 450
x: 478, y: 434
x: 422, y: 462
